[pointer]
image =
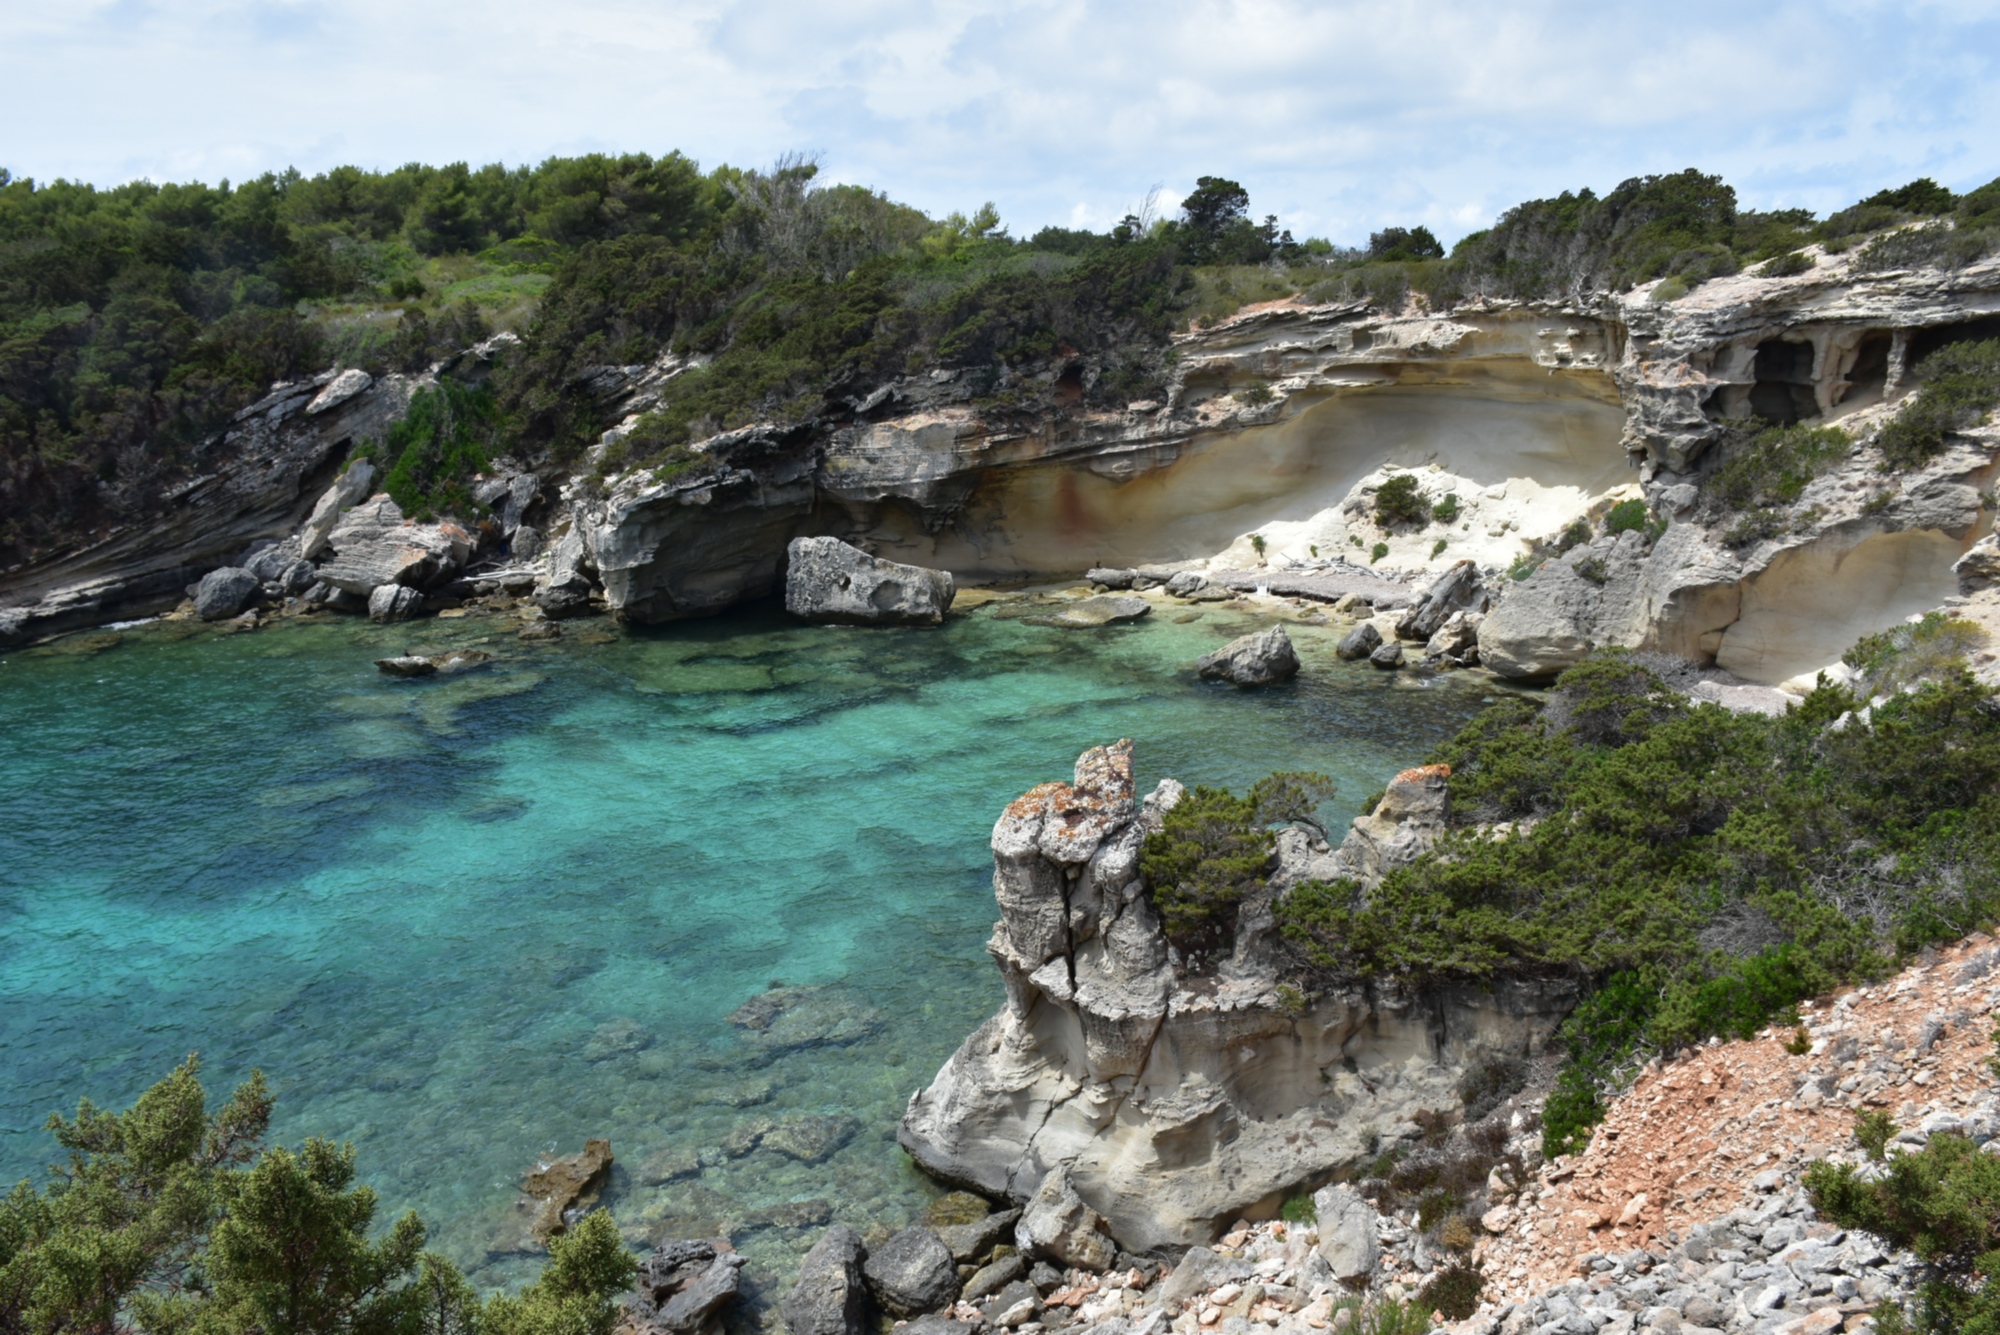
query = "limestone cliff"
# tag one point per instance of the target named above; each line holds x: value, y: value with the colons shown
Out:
x: 1178, y: 1101
x: 1282, y: 421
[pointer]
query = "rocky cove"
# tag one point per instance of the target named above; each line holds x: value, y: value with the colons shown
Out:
x: 404, y: 906
x: 706, y: 882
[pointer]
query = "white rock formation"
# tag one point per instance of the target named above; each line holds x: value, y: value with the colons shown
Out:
x: 1172, y: 1102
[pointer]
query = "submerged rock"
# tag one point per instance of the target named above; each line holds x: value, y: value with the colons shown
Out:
x: 1387, y: 657
x: 682, y: 1288
x: 222, y: 593
x: 831, y: 1295
x: 1084, y: 612
x: 409, y: 665
x: 911, y: 1273
x: 969, y: 1242
x: 1252, y: 660
x: 810, y: 1137
x: 829, y: 580
x: 786, y: 1018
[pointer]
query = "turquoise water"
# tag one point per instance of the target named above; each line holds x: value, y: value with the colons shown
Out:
x: 468, y: 921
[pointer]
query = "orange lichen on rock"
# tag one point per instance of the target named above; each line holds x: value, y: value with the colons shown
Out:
x: 1423, y: 774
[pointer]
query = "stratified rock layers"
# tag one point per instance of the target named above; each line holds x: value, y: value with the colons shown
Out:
x: 1177, y: 1102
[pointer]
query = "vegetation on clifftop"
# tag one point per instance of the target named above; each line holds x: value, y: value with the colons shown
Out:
x: 134, y: 321
x: 1699, y: 870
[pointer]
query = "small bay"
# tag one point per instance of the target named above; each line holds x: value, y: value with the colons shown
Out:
x: 470, y: 920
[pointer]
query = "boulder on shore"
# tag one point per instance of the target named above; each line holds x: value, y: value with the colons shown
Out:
x: 222, y: 593
x: 829, y: 580
x: 1387, y: 658
x: 394, y: 602
x: 1058, y: 1226
x: 682, y: 1288
x: 1252, y: 660
x: 912, y: 1273
x: 831, y: 1295
x: 1360, y: 642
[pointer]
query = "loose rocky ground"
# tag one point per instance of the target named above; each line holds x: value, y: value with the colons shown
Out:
x: 1684, y: 1215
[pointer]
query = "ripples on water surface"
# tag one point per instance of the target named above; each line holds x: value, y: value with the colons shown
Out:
x: 466, y: 921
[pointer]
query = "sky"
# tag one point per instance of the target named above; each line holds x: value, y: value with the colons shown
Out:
x: 1338, y: 117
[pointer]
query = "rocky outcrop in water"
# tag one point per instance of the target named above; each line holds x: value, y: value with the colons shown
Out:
x: 829, y: 580
x: 682, y: 1289
x: 1174, y: 1101
x: 1252, y: 660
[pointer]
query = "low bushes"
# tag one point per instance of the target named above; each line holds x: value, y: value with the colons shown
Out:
x: 1961, y: 385
x: 1398, y: 501
x: 1699, y: 871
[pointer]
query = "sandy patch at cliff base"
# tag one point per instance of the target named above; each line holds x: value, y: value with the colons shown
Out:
x: 1687, y: 1143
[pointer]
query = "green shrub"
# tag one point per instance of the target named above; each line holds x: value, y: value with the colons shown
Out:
x: 1668, y: 290
x: 1592, y: 568
x: 1961, y: 385
x: 1626, y: 516
x: 1381, y: 550
x: 1453, y: 1293
x: 1299, y: 1209
x: 1524, y: 565
x: 1706, y: 871
x: 1943, y: 1203
x: 1437, y: 548
x: 1435, y: 1207
x: 172, y: 1217
x: 1936, y: 243
x: 1255, y: 396
x: 1771, y: 465
x: 1575, y: 535
x: 1446, y: 510
x: 433, y: 452
x: 1398, y: 501
x: 1756, y: 527
x: 1787, y: 265
x: 1257, y: 541
x: 1213, y: 848
x: 1873, y: 1130
x: 1489, y: 1083
x: 1893, y: 659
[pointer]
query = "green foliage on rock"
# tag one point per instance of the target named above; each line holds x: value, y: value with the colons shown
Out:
x: 1943, y: 1204
x: 1894, y: 659
x: 1960, y: 386
x: 1398, y: 501
x: 1214, y: 848
x: 1626, y: 516
x: 437, y: 447
x: 1701, y: 870
x: 1768, y: 465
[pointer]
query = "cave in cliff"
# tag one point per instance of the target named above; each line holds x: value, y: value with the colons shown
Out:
x: 1783, y: 391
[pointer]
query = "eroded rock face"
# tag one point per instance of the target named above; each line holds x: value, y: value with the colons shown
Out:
x: 1175, y: 1103
x: 828, y: 580
x: 373, y: 545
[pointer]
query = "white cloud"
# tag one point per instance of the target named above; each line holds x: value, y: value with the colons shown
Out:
x: 1337, y: 115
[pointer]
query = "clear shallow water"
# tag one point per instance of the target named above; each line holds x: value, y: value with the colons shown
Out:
x: 467, y: 921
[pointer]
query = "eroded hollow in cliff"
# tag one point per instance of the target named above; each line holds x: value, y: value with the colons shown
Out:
x: 1496, y: 421
x: 1923, y: 342
x: 1783, y: 391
